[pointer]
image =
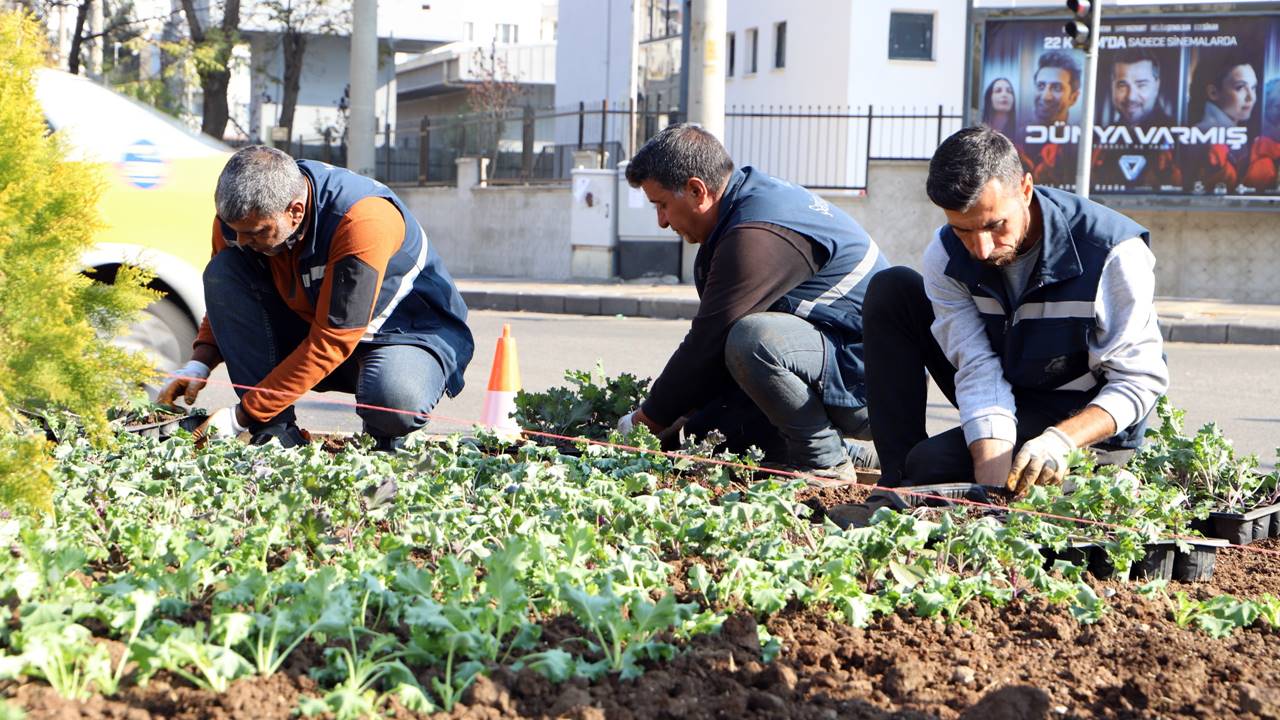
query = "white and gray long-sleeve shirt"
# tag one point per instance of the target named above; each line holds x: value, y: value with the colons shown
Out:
x: 1125, y: 347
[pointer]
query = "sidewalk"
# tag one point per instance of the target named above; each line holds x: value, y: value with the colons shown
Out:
x: 1181, y: 320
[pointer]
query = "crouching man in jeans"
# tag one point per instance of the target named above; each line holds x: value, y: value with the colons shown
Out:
x: 1034, y: 316
x: 774, y: 356
x: 322, y: 279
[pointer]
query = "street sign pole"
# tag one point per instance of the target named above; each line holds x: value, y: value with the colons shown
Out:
x: 1084, y: 161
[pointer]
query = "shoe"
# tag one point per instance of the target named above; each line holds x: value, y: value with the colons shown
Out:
x: 863, y: 455
x: 385, y: 444
x: 831, y: 477
x: 858, y: 515
x: 287, y: 434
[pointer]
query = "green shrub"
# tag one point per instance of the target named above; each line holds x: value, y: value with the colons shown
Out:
x: 55, y: 323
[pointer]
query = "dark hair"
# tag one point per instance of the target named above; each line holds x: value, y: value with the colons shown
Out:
x: 987, y: 114
x: 1134, y: 56
x: 1062, y: 60
x: 678, y: 153
x: 965, y: 162
x: 1213, y: 73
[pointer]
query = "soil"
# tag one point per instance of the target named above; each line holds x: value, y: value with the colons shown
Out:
x: 1026, y: 660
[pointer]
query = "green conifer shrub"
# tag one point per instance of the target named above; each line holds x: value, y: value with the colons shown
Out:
x: 55, y: 323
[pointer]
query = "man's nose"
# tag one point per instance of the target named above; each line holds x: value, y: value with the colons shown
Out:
x: 983, y: 245
x: 662, y: 220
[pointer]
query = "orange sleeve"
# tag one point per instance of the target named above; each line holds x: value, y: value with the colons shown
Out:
x: 362, y: 245
x: 204, y: 336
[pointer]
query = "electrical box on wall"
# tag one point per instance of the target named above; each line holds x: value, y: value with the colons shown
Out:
x: 644, y: 248
x: 593, y: 223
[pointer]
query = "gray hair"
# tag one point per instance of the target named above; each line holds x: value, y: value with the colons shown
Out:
x: 679, y: 153
x: 258, y: 180
x: 965, y: 162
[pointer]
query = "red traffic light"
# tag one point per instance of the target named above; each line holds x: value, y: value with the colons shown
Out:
x: 1079, y: 8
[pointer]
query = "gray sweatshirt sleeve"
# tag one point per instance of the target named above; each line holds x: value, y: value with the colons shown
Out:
x: 1126, y: 348
x: 984, y: 397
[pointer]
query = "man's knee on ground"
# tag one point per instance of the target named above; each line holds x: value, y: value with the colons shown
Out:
x: 406, y: 403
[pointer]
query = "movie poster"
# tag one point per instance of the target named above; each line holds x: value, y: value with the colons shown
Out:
x: 1185, y: 105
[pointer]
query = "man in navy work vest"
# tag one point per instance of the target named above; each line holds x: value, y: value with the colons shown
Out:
x: 322, y: 279
x: 774, y: 356
x: 1034, y: 316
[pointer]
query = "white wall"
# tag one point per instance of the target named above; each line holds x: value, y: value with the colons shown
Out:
x: 519, y: 231
x: 876, y: 80
x: 594, y: 56
x: 817, y: 67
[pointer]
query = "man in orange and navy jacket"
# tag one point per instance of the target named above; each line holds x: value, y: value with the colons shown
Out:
x: 321, y: 279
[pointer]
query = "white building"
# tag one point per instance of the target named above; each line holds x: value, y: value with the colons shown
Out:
x: 796, y: 62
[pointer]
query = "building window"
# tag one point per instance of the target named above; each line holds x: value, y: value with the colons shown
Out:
x: 731, y: 52
x: 661, y: 19
x: 753, y: 46
x: 506, y: 33
x: 910, y: 36
x: 469, y: 31
x: 779, y: 45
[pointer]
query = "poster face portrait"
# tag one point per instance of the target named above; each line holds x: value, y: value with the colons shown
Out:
x: 1180, y: 106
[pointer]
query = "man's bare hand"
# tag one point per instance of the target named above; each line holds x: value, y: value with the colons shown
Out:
x: 991, y: 461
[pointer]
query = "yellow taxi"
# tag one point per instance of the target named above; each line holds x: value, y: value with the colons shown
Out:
x: 157, y: 204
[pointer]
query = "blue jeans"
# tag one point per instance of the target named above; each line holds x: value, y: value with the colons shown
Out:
x: 777, y: 360
x: 255, y: 331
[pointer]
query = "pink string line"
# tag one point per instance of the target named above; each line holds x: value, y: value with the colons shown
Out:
x: 726, y: 463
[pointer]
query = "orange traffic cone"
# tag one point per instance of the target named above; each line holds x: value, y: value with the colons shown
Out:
x: 504, y: 382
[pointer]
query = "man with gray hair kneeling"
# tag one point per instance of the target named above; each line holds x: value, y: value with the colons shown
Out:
x: 321, y: 279
x: 774, y: 356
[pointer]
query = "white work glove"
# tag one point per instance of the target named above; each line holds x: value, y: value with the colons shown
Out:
x: 221, y: 424
x: 627, y: 424
x: 189, y: 382
x: 1042, y: 460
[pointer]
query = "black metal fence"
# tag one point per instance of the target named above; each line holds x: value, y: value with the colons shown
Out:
x: 818, y: 147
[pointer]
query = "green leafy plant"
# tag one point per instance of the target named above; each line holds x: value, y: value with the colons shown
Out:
x: 590, y: 406
x: 1204, y: 466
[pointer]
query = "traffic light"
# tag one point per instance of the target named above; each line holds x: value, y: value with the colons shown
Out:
x: 1081, y: 20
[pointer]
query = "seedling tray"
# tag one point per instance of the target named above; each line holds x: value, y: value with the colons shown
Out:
x: 1157, y: 563
x: 164, y: 429
x: 1197, y: 564
x: 1241, y: 528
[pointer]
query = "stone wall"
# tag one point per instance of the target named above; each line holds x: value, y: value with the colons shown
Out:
x: 523, y: 232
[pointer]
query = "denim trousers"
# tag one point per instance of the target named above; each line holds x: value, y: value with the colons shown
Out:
x: 255, y: 331
x: 776, y: 361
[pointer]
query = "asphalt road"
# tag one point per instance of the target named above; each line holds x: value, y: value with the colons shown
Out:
x: 1234, y: 385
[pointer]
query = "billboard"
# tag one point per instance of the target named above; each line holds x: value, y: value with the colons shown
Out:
x: 1184, y: 106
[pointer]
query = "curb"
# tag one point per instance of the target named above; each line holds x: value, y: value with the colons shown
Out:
x: 1189, y: 330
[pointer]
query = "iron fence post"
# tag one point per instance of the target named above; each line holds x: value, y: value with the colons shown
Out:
x: 939, y: 142
x: 328, y: 143
x: 424, y: 150
x: 582, y: 116
x: 386, y: 147
x: 604, y: 123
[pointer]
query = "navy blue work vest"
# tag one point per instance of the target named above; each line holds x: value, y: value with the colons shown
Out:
x: 832, y: 298
x: 417, y: 303
x: 1042, y: 338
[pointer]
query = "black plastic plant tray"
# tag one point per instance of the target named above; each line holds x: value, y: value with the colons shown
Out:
x: 1197, y: 564
x: 1156, y: 564
x: 166, y: 428
x: 1241, y: 528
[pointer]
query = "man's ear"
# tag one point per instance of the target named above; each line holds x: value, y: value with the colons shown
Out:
x: 697, y: 190
x: 1028, y: 188
x: 297, y: 209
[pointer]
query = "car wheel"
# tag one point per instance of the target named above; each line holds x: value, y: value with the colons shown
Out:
x: 164, y: 332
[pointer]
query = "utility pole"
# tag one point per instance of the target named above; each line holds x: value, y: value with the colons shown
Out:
x: 707, y: 22
x: 364, y: 81
x: 1085, y: 37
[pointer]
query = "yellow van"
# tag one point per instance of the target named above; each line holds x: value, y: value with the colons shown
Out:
x: 157, y: 204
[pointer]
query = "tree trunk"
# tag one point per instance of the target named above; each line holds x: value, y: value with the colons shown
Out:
x: 295, y: 47
x: 73, y: 62
x: 214, y: 81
